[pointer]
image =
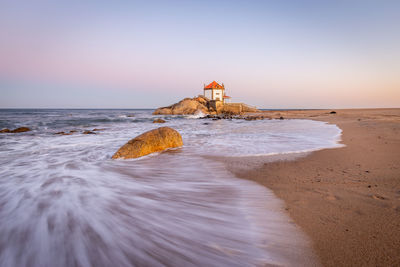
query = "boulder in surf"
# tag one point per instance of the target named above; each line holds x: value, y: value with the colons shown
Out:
x: 149, y: 142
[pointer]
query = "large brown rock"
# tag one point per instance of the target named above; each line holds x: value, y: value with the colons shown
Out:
x: 6, y: 130
x: 189, y: 106
x: 149, y: 142
x: 202, y: 100
x: 185, y: 107
x: 163, y: 111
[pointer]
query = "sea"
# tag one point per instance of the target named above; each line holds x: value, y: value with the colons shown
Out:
x: 65, y: 202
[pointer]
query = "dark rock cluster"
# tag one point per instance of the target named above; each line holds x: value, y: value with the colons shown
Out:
x: 17, y: 130
x: 238, y: 117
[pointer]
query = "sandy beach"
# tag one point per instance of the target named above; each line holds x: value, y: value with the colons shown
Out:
x: 347, y: 200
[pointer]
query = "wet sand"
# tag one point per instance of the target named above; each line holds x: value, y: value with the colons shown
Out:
x: 347, y: 200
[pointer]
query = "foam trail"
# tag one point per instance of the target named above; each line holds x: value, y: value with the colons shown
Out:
x: 63, y: 202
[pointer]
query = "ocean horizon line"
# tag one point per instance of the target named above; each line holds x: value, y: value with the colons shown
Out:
x: 262, y: 109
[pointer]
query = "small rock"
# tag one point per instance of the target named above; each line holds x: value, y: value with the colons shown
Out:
x: 88, y: 132
x: 130, y: 116
x: 250, y: 118
x: 95, y: 129
x: 281, y: 118
x: 63, y: 133
x: 378, y: 197
x: 5, y: 131
x: 21, y: 130
x: 332, y: 112
x: 159, y: 121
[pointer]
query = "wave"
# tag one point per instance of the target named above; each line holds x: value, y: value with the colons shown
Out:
x: 64, y: 202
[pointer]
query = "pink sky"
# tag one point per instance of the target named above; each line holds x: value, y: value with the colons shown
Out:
x: 268, y: 55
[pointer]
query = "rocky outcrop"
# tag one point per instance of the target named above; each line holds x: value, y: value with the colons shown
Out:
x: 159, y: 121
x: 17, y: 130
x: 184, y: 107
x: 247, y: 117
x: 149, y: 142
x: 204, y: 105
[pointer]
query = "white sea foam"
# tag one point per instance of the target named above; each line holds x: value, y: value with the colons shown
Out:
x: 64, y: 202
x: 198, y: 114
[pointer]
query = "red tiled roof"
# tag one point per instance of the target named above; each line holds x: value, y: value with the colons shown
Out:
x: 214, y: 85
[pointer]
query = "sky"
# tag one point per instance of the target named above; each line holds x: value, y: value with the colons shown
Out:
x: 146, y: 54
